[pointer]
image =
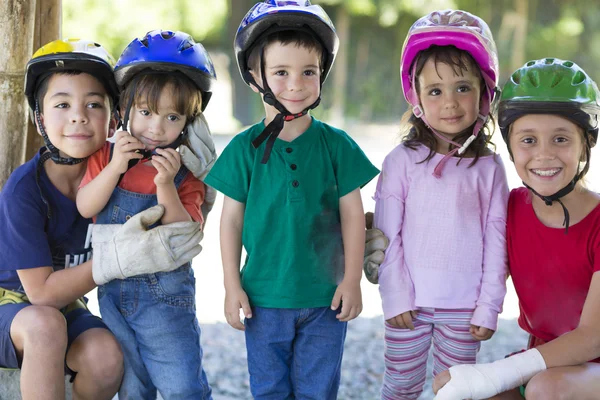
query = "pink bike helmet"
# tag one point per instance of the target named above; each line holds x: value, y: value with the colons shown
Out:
x: 464, y: 31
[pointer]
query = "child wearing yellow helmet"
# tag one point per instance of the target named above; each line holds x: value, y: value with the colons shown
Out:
x: 46, y: 245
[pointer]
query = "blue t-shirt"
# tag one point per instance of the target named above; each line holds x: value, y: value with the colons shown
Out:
x: 28, y: 239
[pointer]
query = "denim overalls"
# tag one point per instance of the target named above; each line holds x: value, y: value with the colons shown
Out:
x: 153, y: 316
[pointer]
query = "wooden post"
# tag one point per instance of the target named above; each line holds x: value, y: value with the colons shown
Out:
x: 48, y: 21
x: 17, y: 18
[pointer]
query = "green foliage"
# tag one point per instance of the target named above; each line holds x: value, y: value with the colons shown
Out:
x: 565, y: 29
x: 115, y: 23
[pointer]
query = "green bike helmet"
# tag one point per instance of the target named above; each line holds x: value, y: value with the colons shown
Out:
x: 551, y: 86
x: 557, y: 87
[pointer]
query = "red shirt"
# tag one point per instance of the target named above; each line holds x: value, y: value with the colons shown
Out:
x: 551, y: 271
x: 140, y: 179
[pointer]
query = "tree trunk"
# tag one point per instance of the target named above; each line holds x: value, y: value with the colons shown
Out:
x: 340, y: 76
x: 518, y: 55
x: 242, y: 97
x: 17, y: 18
x: 47, y: 28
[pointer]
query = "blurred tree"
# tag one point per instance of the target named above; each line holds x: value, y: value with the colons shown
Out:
x: 364, y: 83
x: 246, y: 105
x: 115, y: 23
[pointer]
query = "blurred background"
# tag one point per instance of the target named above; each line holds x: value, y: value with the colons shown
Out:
x: 364, y: 85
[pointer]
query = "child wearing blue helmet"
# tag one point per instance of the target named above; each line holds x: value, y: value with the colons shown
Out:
x: 166, y: 81
x: 292, y: 199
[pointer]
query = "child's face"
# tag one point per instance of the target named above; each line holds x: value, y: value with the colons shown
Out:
x: 159, y: 129
x: 450, y: 101
x: 77, y: 114
x: 293, y: 74
x: 546, y: 150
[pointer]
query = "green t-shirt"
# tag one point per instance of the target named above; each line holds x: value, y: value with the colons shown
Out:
x: 292, y: 231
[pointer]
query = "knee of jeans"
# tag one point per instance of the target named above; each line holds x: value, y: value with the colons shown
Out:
x: 45, y: 326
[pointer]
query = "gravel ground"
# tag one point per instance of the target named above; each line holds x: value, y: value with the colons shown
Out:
x: 362, y: 367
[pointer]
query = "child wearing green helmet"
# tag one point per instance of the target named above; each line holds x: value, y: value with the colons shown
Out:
x: 549, y: 119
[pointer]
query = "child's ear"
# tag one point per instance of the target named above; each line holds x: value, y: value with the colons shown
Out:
x: 257, y: 80
x: 112, y: 126
x: 35, y: 122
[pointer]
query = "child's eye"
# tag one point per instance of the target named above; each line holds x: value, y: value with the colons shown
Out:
x: 61, y: 105
x: 310, y: 72
x: 561, y: 139
x: 463, y: 89
x: 527, y: 140
x: 173, y: 117
x: 95, y: 105
x: 144, y: 112
x: 281, y: 73
x: 435, y: 92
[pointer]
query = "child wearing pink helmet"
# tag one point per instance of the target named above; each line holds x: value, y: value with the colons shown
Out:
x: 441, y: 199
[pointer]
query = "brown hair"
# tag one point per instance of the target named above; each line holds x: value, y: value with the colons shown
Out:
x: 300, y: 39
x: 419, y: 134
x: 44, y: 83
x: 187, y: 97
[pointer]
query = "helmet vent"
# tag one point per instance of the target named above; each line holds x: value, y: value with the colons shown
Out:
x: 549, y: 61
x: 533, y: 78
x: 96, y: 44
x: 144, y: 41
x: 568, y: 64
x: 556, y: 80
x: 530, y: 63
x: 578, y: 78
x: 516, y: 78
x: 166, y: 34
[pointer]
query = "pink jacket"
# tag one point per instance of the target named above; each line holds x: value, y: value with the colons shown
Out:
x: 447, y: 236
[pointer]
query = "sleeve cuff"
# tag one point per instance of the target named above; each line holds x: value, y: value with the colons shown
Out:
x: 486, y: 317
x: 396, y: 304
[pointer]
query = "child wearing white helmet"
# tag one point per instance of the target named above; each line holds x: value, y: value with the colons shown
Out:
x: 441, y: 200
x: 292, y: 199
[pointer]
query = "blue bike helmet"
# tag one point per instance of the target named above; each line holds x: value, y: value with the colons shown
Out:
x: 273, y: 16
x: 168, y: 51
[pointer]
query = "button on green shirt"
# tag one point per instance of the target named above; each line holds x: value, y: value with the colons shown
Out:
x: 292, y: 231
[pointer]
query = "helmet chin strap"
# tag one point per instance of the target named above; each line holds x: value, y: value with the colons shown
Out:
x: 482, y: 116
x: 52, y: 154
x: 274, y: 128
x: 549, y: 200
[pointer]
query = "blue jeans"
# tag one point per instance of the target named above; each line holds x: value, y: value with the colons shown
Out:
x: 294, y: 353
x: 154, y: 318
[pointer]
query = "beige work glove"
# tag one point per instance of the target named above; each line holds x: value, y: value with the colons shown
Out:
x: 375, y: 244
x: 198, y: 154
x: 123, y: 251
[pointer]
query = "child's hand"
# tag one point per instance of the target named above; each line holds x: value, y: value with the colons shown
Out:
x: 167, y: 162
x: 349, y: 295
x: 440, y: 380
x: 404, y: 320
x: 480, y: 333
x: 234, y: 300
x: 125, y: 150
